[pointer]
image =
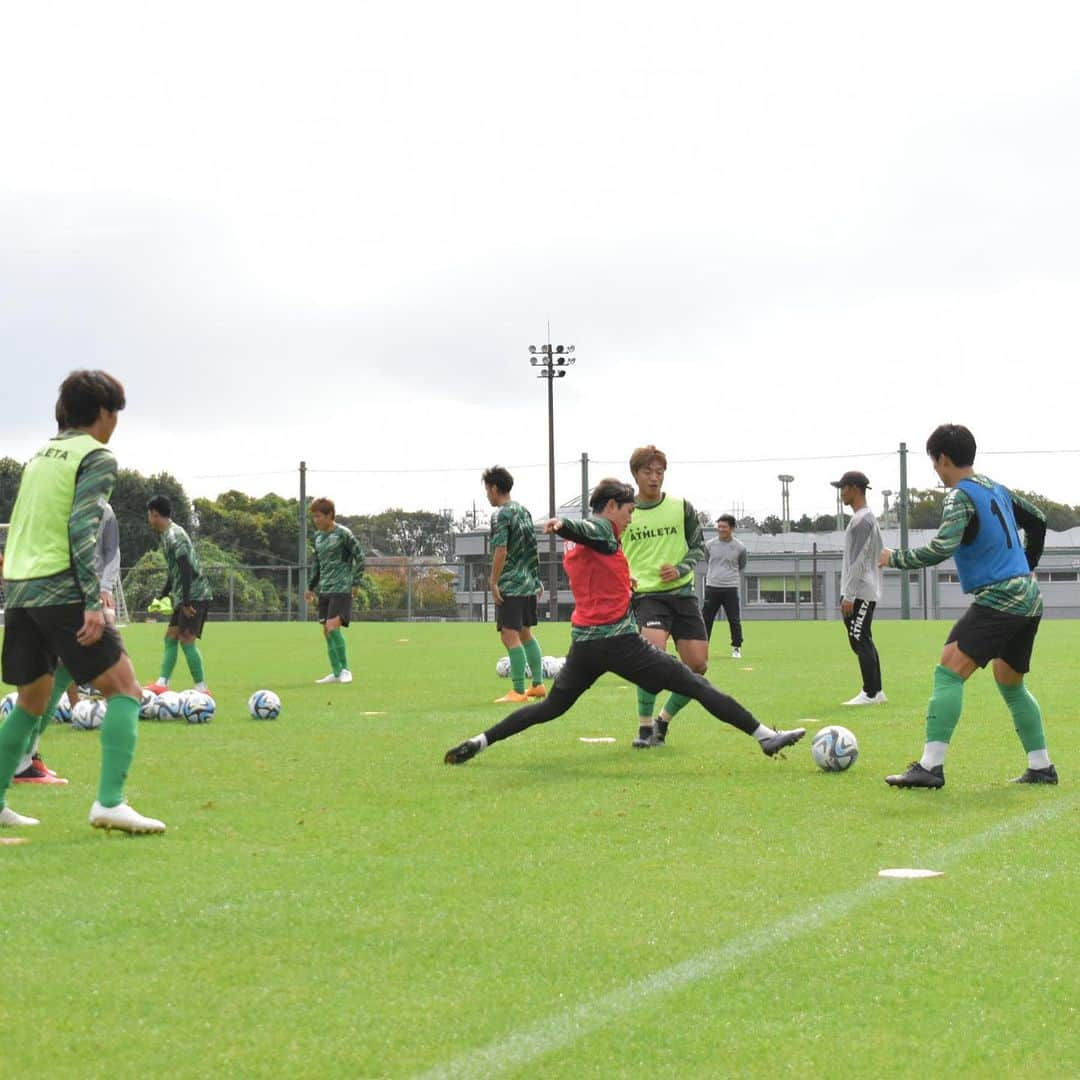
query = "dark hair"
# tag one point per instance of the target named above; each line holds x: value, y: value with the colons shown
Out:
x: 643, y: 455
x: 727, y: 519
x: 83, y: 394
x: 498, y: 478
x: 324, y: 506
x: 954, y: 440
x: 609, y: 488
x: 162, y: 505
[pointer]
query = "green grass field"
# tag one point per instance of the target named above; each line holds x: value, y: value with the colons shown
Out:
x: 330, y: 900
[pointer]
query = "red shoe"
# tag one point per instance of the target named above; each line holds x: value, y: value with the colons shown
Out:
x: 33, y: 774
x: 36, y: 759
x: 158, y: 687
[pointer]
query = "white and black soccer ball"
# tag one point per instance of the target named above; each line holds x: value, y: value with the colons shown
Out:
x: 835, y: 748
x: 62, y: 712
x: 553, y: 665
x: 8, y: 703
x: 88, y: 714
x: 502, y: 668
x: 198, y: 707
x: 264, y: 705
x: 148, y: 704
x: 168, y: 706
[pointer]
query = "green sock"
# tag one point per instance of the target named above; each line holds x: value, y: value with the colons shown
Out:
x: 61, y: 680
x: 331, y: 651
x: 646, y: 702
x: 675, y: 703
x: 943, y: 712
x: 1026, y: 714
x: 194, y: 661
x: 340, y: 655
x: 168, y: 659
x: 14, y: 733
x: 517, y: 668
x: 119, y: 730
x: 535, y: 659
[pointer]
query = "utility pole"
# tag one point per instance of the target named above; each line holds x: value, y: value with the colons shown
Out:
x: 785, y: 500
x: 902, y: 509
x: 301, y: 584
x: 552, y: 362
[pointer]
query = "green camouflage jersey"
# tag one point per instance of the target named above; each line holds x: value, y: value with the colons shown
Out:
x: 512, y: 528
x: 646, y: 548
x: 179, y: 550
x: 339, y: 561
x: 1014, y: 596
x: 79, y: 584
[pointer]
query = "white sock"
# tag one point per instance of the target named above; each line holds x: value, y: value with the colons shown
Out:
x: 37, y: 743
x: 481, y: 739
x: 933, y: 755
x: 201, y: 686
x: 24, y: 764
x: 761, y: 733
x: 1038, y: 759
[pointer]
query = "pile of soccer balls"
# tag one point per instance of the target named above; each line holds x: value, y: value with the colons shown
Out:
x: 552, y: 666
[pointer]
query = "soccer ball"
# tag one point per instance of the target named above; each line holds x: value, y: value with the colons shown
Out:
x: 502, y: 668
x: 168, y: 706
x: 88, y: 714
x: 148, y: 704
x: 198, y: 708
x: 553, y: 665
x: 62, y: 714
x: 8, y: 703
x: 834, y: 748
x: 264, y: 705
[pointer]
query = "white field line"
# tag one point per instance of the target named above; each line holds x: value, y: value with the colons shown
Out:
x: 565, y: 1027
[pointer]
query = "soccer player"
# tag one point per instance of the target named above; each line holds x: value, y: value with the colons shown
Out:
x: 190, y: 593
x: 979, y: 530
x: 32, y: 769
x: 515, y: 585
x: 723, y: 579
x: 663, y: 546
x: 54, y: 607
x: 337, y: 569
x: 604, y: 635
x: 860, y: 585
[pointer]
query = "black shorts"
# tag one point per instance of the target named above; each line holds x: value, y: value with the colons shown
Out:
x: 679, y: 616
x: 335, y: 605
x: 628, y: 655
x: 34, y: 637
x: 515, y: 612
x: 191, y: 624
x: 985, y: 634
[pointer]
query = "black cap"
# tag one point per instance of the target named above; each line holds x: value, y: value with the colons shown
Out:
x: 852, y: 479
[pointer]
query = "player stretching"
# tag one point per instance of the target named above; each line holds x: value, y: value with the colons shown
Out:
x: 515, y: 585
x: 189, y: 591
x: 663, y: 546
x: 54, y: 607
x: 336, y: 570
x: 979, y: 530
x: 604, y: 636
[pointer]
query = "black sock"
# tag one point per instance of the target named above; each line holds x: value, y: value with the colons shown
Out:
x: 645, y: 731
x: 661, y: 727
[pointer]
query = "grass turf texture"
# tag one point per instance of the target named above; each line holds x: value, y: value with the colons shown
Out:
x: 331, y: 900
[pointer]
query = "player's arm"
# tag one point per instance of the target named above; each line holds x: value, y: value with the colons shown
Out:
x: 314, y: 573
x: 359, y: 561
x: 958, y: 512
x: 498, y: 561
x: 695, y: 541
x: 93, y: 486
x: 596, y: 533
x: 1033, y: 521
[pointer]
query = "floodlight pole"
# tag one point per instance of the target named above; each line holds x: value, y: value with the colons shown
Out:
x: 301, y: 555
x: 552, y: 360
x: 785, y: 501
x: 902, y: 508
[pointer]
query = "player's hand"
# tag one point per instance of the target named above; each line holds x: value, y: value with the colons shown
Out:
x: 633, y: 584
x: 552, y: 525
x: 883, y: 558
x: 92, y: 628
x: 495, y: 593
x: 309, y: 596
x: 847, y: 606
x: 668, y: 572
x: 107, y: 601
x: 188, y: 610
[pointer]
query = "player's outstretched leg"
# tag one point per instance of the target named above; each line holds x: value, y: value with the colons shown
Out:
x: 551, y: 707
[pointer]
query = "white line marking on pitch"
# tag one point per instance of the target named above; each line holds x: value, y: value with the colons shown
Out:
x: 563, y: 1028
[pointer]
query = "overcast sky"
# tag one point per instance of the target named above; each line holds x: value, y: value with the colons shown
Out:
x: 794, y: 232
